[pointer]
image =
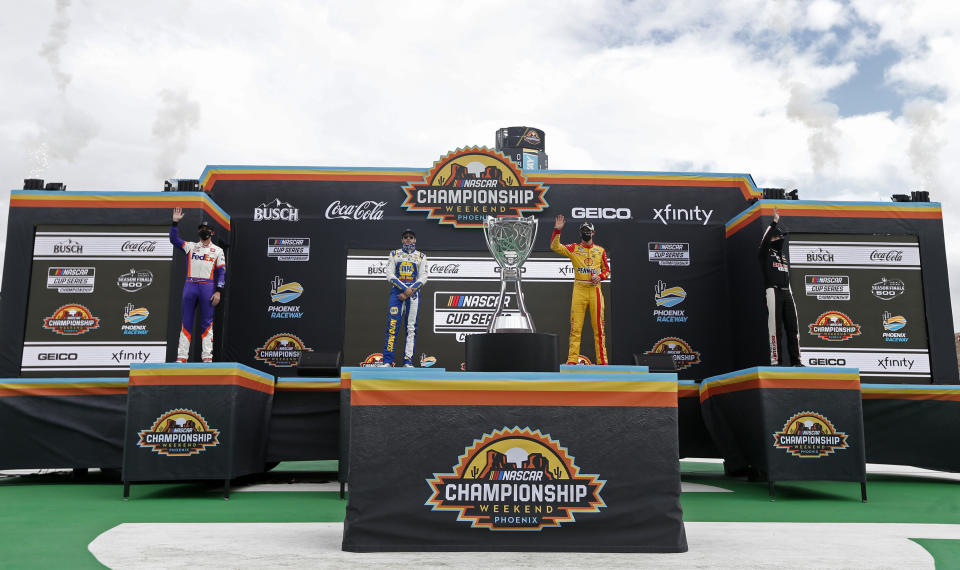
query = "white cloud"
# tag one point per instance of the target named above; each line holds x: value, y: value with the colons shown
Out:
x: 702, y: 85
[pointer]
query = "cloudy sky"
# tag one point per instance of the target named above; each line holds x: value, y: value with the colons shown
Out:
x: 843, y: 100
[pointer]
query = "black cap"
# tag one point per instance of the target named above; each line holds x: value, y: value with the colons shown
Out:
x: 205, y: 224
x: 407, y: 231
x: 587, y: 225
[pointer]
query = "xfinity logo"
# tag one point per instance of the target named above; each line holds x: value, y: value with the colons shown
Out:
x: 127, y: 356
x: 601, y: 213
x: 368, y: 210
x: 276, y: 211
x: 887, y: 363
x: 669, y: 214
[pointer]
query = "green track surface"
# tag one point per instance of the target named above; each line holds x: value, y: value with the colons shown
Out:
x: 48, y: 520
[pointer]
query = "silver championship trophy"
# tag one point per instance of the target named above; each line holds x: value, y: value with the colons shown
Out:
x: 510, y: 240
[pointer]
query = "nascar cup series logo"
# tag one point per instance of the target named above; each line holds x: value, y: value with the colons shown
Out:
x: 809, y: 435
x: 467, y: 185
x: 282, y: 350
x: 683, y: 355
x: 71, y: 320
x: 71, y: 279
x: 669, y: 297
x: 282, y: 293
x: 515, y: 479
x: 177, y: 433
x: 834, y: 326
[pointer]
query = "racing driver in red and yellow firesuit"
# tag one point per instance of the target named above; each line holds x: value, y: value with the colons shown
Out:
x: 590, y: 267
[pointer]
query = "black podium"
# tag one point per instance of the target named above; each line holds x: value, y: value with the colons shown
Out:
x: 788, y: 424
x: 517, y: 352
x: 195, y: 421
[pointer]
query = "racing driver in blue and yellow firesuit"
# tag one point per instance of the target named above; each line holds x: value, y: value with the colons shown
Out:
x: 407, y: 274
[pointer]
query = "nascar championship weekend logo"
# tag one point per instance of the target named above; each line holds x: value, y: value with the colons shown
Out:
x: 515, y: 479
x: 467, y: 185
x: 179, y: 432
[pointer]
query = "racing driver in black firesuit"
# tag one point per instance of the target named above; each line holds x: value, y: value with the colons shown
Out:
x: 776, y: 282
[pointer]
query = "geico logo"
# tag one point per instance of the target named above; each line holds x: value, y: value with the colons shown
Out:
x: 827, y: 361
x: 601, y: 213
x: 57, y: 356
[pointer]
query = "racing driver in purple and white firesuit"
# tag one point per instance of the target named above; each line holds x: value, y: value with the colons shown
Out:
x: 206, y: 270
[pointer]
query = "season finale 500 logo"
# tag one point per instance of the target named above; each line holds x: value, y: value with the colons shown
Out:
x: 467, y: 185
x: 515, y: 479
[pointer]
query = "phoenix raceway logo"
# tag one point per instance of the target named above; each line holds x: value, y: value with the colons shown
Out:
x: 68, y: 247
x: 364, y: 211
x: 135, y: 280
x: 827, y: 287
x: 288, y: 249
x: 892, y: 325
x: 71, y: 279
x: 282, y: 293
x: 601, y: 214
x: 515, y: 480
x: 132, y: 316
x: 669, y: 297
x: 668, y: 253
x: 467, y: 185
x: 282, y: 350
x: 71, y: 320
x: 668, y: 214
x: 177, y: 433
x: 834, y: 326
x: 427, y: 361
x: 887, y: 289
x: 683, y: 355
x: 809, y: 435
x: 276, y: 211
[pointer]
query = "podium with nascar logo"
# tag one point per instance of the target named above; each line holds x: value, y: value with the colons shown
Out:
x: 788, y: 424
x: 195, y: 421
x: 513, y: 461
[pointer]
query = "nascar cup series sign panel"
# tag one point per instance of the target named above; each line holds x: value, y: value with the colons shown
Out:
x: 98, y: 299
x: 459, y: 300
x: 860, y: 304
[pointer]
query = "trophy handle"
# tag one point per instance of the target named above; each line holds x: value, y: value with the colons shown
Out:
x: 521, y: 305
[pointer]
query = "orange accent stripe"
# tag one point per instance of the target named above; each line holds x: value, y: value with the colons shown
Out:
x: 92, y: 391
x: 512, y: 398
x: 187, y: 380
x: 83, y: 202
x: 282, y: 388
x: 778, y: 383
x: 602, y: 357
x: 185, y: 332
x: 911, y: 213
x: 902, y: 396
x: 403, y: 177
x: 601, y: 181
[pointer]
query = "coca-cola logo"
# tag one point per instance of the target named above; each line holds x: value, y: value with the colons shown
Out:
x: 149, y: 245
x: 368, y: 210
x: 445, y: 269
x: 888, y: 255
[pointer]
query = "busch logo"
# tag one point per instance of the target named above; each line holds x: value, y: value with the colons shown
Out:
x: 276, y: 210
x: 146, y: 245
x: 889, y: 255
x: 68, y: 246
x: 820, y: 255
x: 368, y: 210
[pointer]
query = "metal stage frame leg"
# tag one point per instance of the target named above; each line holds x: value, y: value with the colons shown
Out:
x: 772, y: 491
x: 343, y: 487
x: 863, y: 491
x: 226, y: 489
x: 126, y: 490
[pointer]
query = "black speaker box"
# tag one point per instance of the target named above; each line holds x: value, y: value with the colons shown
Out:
x: 657, y: 362
x: 320, y: 364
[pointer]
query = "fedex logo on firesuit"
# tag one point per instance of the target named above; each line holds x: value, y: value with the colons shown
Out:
x: 201, y: 257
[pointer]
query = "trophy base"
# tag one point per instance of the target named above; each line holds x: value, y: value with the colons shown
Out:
x: 512, y: 352
x: 512, y: 323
